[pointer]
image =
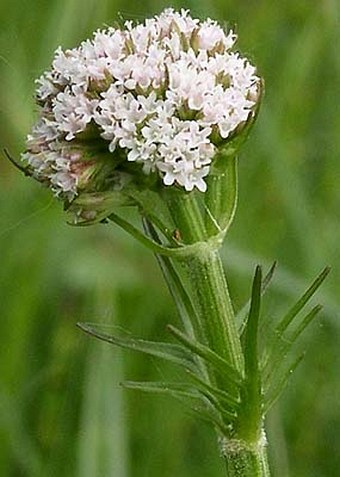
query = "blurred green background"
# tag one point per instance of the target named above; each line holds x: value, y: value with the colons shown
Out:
x: 62, y: 412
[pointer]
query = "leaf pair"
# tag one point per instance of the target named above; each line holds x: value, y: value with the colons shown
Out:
x: 215, y: 402
x: 267, y: 372
x: 274, y: 367
x: 210, y: 402
x: 241, y: 400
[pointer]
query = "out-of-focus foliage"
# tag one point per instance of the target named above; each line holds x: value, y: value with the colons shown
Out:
x: 62, y: 411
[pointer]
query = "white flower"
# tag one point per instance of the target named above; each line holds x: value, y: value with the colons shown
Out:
x: 211, y: 33
x: 64, y: 182
x: 43, y: 134
x: 109, y: 44
x: 73, y: 111
x: 157, y: 91
x: 46, y: 88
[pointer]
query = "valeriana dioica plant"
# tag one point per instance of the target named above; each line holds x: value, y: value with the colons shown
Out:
x: 152, y: 116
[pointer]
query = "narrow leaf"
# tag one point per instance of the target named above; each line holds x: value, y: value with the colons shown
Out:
x: 275, y: 390
x: 208, y: 355
x: 175, y: 389
x: 156, y: 212
x: 230, y: 401
x: 282, y: 341
x: 242, y: 315
x: 304, y: 323
x: 138, y: 235
x: 179, y: 390
x: 268, y: 277
x: 182, y: 300
x: 182, y: 391
x: 251, y: 330
x: 230, y: 414
x: 251, y: 408
x: 176, y: 251
x: 210, y: 417
x: 176, y: 354
x: 289, y: 317
x: 281, y: 346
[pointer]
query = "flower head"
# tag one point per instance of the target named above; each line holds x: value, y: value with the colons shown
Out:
x: 158, y: 98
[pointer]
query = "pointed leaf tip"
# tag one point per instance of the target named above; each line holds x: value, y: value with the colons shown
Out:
x: 258, y: 275
x: 255, y: 303
x: 242, y: 316
x: 171, y: 352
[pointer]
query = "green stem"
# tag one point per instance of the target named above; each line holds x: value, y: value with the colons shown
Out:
x: 204, y: 274
x: 246, y: 461
x: 210, y: 294
x: 187, y: 215
x: 203, y: 277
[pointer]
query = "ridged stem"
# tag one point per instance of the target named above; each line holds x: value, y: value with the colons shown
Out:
x: 209, y: 291
x: 203, y: 272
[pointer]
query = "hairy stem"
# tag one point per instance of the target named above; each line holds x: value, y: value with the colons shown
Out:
x: 244, y: 460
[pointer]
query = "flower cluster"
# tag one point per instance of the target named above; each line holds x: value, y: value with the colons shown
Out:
x: 163, y: 94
